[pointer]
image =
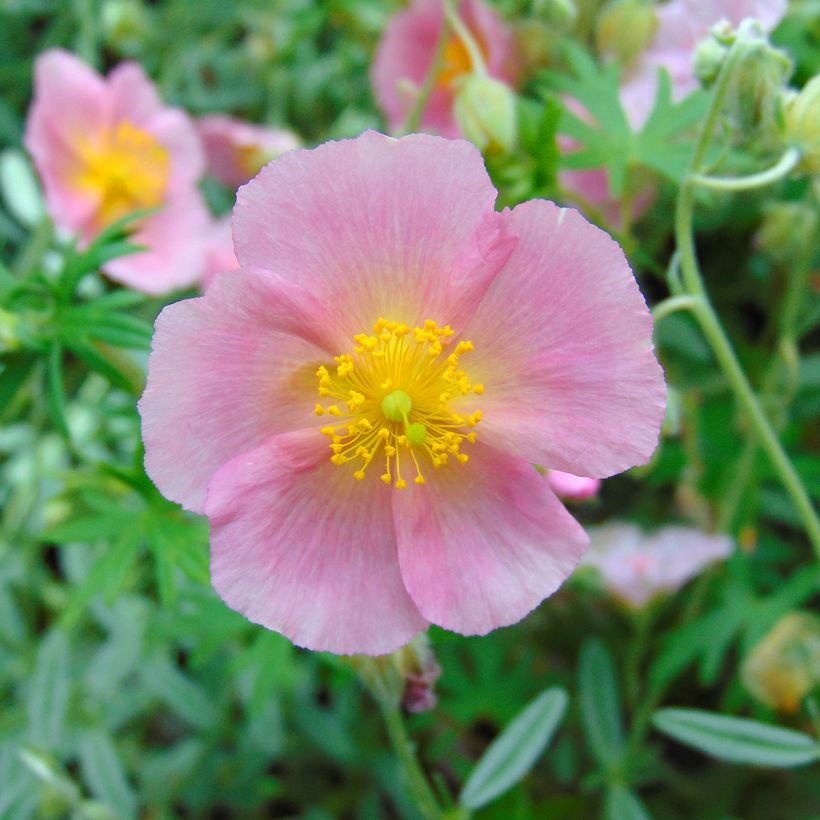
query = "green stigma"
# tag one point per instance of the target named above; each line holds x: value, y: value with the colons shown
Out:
x: 416, y: 433
x: 396, y: 405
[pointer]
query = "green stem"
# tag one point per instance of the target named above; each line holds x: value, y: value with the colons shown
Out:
x: 413, y: 120
x: 417, y: 783
x: 457, y: 24
x: 710, y: 324
x: 672, y: 305
x: 783, y: 167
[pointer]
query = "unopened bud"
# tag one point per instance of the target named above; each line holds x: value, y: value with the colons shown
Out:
x: 625, y: 28
x: 785, y: 665
x: 709, y: 56
x: 485, y: 112
x: 560, y: 14
x: 802, y: 116
x: 124, y: 24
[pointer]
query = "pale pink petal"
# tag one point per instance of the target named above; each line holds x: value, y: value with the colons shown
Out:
x: 572, y: 487
x: 176, y: 238
x: 227, y: 371
x: 375, y: 226
x: 133, y: 97
x: 482, y: 544
x: 219, y: 256
x: 175, y: 131
x: 563, y: 347
x: 299, y: 546
x: 69, y: 108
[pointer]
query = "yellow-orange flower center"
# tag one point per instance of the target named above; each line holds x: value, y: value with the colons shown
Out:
x: 390, y: 401
x: 456, y: 61
x: 126, y: 168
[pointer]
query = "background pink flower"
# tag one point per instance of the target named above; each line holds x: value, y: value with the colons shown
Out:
x: 532, y: 344
x: 106, y: 147
x: 236, y: 150
x: 220, y: 256
x: 406, y: 52
x: 637, y: 567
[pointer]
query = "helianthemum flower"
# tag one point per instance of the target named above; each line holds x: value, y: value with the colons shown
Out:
x: 357, y: 408
x: 107, y: 147
x: 407, y: 51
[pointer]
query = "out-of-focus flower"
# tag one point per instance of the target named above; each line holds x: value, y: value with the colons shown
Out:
x: 784, y: 666
x: 485, y: 112
x: 573, y: 487
x: 237, y: 150
x: 407, y: 50
x: 220, y: 256
x: 803, y: 124
x: 681, y: 25
x: 636, y: 567
x: 389, y: 328
x: 107, y: 147
x: 625, y: 28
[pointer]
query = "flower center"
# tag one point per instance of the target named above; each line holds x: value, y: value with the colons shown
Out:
x: 456, y: 61
x: 128, y: 169
x: 393, y: 401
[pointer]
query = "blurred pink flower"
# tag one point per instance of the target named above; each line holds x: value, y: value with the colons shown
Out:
x: 106, y: 147
x: 637, y: 567
x: 682, y: 24
x: 573, y: 487
x: 407, y: 50
x: 237, y: 150
x: 220, y: 256
x: 284, y: 407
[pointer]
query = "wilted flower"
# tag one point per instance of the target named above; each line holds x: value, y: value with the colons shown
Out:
x: 220, y: 256
x: 107, y: 147
x: 784, y: 666
x: 357, y: 409
x: 573, y: 487
x: 636, y: 567
x: 407, y: 51
x: 237, y: 150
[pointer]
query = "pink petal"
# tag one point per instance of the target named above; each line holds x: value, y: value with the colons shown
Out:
x: 572, y: 487
x: 375, y: 226
x: 133, y: 97
x: 227, y: 371
x: 299, y: 546
x: 482, y: 544
x: 219, y: 256
x: 175, y: 131
x: 563, y: 346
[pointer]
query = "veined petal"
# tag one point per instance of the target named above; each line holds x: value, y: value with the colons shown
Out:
x: 482, y: 544
x: 563, y: 344
x: 298, y: 547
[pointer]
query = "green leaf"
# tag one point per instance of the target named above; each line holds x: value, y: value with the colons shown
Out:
x: 600, y: 703
x: 55, y: 392
x: 14, y: 370
x: 50, y: 687
x: 104, y: 774
x: 514, y: 752
x: 737, y: 740
x: 185, y: 698
x: 20, y: 189
x: 623, y: 804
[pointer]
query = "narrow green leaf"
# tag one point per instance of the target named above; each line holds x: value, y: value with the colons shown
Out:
x: 50, y: 687
x: 514, y: 752
x: 623, y: 804
x: 104, y: 774
x: 15, y: 370
x: 737, y: 740
x: 185, y: 698
x: 96, y: 361
x: 55, y: 391
x: 600, y: 703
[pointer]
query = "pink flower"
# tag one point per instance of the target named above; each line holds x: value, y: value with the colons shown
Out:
x: 389, y: 329
x: 237, y: 150
x: 682, y: 24
x: 106, y: 147
x: 220, y: 256
x: 573, y: 487
x: 407, y: 50
x: 636, y: 567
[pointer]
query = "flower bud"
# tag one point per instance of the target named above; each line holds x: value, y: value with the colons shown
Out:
x: 124, y: 25
x: 785, y: 665
x: 802, y: 116
x: 535, y: 45
x: 786, y: 229
x: 485, y: 111
x: 709, y: 56
x: 625, y: 28
x: 560, y: 14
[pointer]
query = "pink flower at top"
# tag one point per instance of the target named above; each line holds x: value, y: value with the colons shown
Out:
x: 236, y: 150
x: 573, y: 487
x: 638, y: 567
x: 106, y: 147
x: 220, y: 256
x: 357, y: 409
x: 682, y: 24
x: 407, y: 50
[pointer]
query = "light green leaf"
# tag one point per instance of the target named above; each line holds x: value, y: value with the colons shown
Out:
x: 185, y: 698
x: 514, y: 752
x: 623, y: 804
x: 50, y: 687
x: 104, y: 774
x: 600, y: 703
x: 20, y: 189
x: 737, y: 740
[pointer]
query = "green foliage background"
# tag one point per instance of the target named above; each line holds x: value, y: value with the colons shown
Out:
x: 127, y: 689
